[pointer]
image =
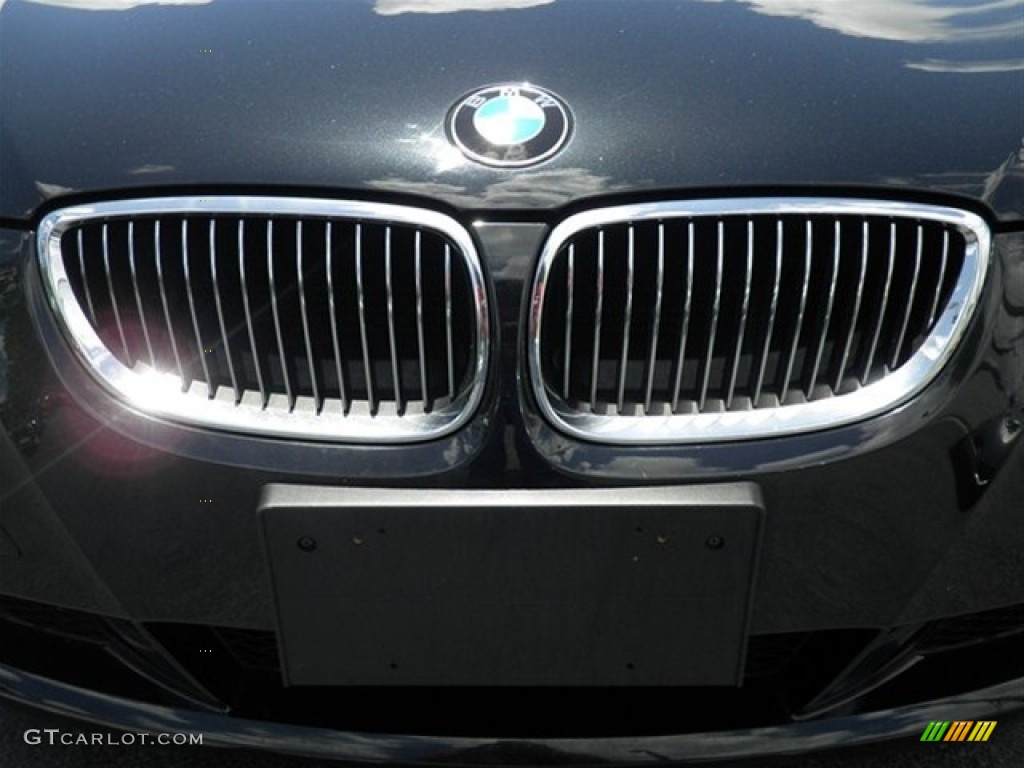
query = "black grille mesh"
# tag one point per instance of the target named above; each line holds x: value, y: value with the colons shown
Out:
x: 282, y: 310
x: 712, y: 314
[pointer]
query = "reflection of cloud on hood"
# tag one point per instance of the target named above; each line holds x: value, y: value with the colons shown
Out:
x: 113, y: 5
x: 967, y: 67
x: 911, y: 21
x: 50, y: 191
x: 149, y: 168
x: 395, y: 7
x: 543, y: 189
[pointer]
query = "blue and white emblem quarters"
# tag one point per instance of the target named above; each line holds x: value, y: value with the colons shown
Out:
x: 510, y: 125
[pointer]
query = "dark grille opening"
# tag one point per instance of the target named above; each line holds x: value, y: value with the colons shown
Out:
x: 63, y: 622
x: 771, y: 654
x: 959, y: 631
x: 328, y: 316
x: 733, y: 313
x: 240, y: 667
x: 950, y: 671
x: 250, y: 648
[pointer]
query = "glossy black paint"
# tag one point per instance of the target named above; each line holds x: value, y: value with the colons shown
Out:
x: 902, y: 518
x: 353, y: 95
x: 65, y: 445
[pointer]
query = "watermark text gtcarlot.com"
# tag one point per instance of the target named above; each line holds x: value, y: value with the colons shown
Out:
x: 55, y: 736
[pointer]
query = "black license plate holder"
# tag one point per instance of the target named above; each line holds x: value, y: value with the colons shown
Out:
x: 640, y: 586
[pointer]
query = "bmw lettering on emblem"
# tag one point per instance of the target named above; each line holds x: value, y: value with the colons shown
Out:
x: 510, y: 126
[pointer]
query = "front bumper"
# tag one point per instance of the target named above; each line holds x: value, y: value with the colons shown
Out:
x: 875, y: 535
x: 796, y: 737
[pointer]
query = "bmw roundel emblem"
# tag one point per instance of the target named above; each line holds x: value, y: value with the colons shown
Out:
x: 510, y: 125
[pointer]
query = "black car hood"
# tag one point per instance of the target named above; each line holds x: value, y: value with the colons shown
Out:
x: 104, y: 96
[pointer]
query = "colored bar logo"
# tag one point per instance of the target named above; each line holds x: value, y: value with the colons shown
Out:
x: 959, y: 730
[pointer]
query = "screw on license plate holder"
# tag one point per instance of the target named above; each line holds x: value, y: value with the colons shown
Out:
x: 640, y: 586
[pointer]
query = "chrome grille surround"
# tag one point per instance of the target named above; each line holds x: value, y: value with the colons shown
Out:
x: 560, y: 386
x: 261, y: 398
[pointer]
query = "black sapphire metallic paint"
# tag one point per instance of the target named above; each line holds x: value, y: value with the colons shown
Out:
x: 666, y: 95
x: 877, y: 535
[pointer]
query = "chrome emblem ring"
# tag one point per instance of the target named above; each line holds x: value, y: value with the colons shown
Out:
x: 510, y: 125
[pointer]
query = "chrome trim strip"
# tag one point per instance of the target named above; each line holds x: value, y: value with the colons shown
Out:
x: 627, y: 320
x: 767, y: 344
x: 220, y: 311
x: 569, y: 289
x: 138, y: 296
x: 910, y: 299
x: 396, y: 381
x: 713, y: 331
x: 329, y: 258
x: 248, y: 313
x: 748, y: 277
x: 277, y: 317
x: 885, y: 301
x: 159, y: 394
x: 421, y: 346
x: 827, y: 318
x: 942, y: 278
x: 191, y: 306
x: 856, y: 307
x: 113, y: 297
x: 598, y: 312
x: 808, y: 255
x: 687, y: 304
x: 655, y: 331
x: 371, y: 396
x: 85, y: 282
x: 317, y: 402
x: 448, y: 319
x: 158, y: 258
x: 901, y: 385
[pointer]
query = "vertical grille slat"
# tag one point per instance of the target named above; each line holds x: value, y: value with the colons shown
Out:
x: 626, y: 321
x: 805, y: 289
x: 85, y: 278
x: 685, y: 327
x: 450, y: 345
x: 826, y: 319
x: 361, y: 299
x: 162, y: 283
x: 911, y: 295
x: 396, y: 380
x: 598, y: 313
x: 332, y: 309
x: 883, y: 306
x: 656, y: 329
x: 220, y: 311
x: 770, y: 329
x: 306, y: 336
x: 570, y: 289
x: 138, y: 295
x: 248, y: 314
x: 715, y: 308
x: 748, y: 277
x: 114, y: 304
x: 200, y: 345
x: 940, y: 281
x: 851, y: 333
x: 697, y: 313
x: 275, y: 310
x: 421, y: 344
